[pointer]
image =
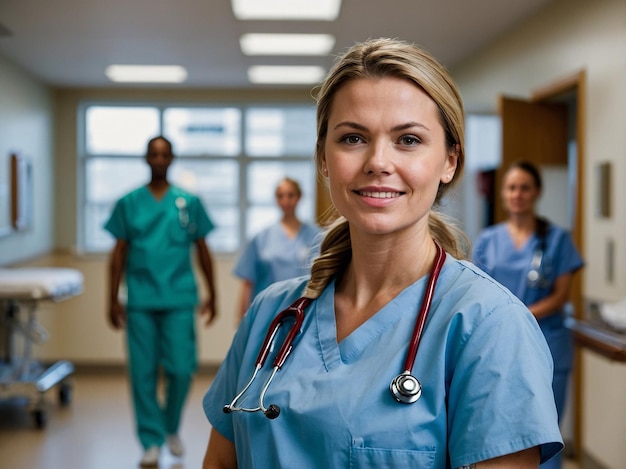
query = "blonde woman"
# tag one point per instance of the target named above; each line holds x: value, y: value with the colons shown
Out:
x: 280, y: 251
x: 390, y: 144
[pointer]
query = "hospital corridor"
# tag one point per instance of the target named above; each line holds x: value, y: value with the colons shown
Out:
x: 169, y: 172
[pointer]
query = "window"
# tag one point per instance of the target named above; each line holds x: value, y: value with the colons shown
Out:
x: 232, y: 157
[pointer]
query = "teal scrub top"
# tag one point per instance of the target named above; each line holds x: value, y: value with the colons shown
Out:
x: 484, y: 365
x: 159, y: 233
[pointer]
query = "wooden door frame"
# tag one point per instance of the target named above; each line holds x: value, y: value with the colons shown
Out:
x: 574, y: 84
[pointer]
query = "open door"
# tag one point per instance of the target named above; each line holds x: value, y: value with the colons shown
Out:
x: 535, y: 132
x: 541, y: 130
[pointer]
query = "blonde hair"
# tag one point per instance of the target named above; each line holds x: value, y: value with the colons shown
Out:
x: 294, y: 184
x: 378, y: 58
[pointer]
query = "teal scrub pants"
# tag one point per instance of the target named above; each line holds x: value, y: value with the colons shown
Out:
x: 160, y: 340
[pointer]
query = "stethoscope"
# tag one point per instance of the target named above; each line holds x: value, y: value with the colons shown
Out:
x: 405, y: 387
x: 536, y: 277
x: 183, y: 215
x: 183, y: 211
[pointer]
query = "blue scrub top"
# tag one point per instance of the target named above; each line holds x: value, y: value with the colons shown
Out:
x: 159, y: 233
x: 495, y: 253
x: 272, y: 256
x: 483, y: 363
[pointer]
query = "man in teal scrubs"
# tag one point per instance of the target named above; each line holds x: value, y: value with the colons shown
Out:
x: 155, y: 227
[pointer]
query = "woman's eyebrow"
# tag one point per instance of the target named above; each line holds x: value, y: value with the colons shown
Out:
x: 350, y: 124
x: 410, y: 125
x: 355, y: 125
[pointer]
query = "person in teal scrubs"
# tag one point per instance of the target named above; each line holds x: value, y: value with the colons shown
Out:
x: 281, y: 251
x: 155, y: 227
x: 390, y: 146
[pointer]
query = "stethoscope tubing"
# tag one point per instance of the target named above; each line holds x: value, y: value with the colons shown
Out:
x: 405, y: 387
x: 295, y: 310
x: 409, y: 361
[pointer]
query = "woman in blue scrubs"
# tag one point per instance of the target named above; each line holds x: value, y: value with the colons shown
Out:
x: 390, y: 145
x: 278, y: 252
x: 536, y: 260
x: 155, y: 227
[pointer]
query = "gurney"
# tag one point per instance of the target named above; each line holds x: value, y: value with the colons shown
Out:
x: 21, y: 375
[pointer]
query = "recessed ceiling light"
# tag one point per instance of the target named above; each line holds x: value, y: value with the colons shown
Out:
x: 146, y: 73
x: 286, y: 44
x: 285, y: 75
x: 324, y: 10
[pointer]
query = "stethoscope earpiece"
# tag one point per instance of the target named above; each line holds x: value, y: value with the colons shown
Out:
x: 272, y: 411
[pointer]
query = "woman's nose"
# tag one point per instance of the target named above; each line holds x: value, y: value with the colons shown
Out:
x: 378, y: 159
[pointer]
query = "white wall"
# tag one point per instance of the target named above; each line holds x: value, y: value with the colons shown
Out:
x: 26, y: 128
x: 568, y: 36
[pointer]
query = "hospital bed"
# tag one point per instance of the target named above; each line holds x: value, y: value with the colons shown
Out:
x: 21, y: 375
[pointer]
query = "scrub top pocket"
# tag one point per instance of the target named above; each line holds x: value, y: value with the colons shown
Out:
x: 179, y: 235
x: 375, y: 458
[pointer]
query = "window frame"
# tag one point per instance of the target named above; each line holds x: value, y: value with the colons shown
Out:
x: 243, y: 160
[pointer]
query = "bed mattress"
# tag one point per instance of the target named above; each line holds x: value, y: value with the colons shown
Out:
x: 38, y: 283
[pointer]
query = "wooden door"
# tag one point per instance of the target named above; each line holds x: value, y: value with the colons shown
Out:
x: 535, y: 132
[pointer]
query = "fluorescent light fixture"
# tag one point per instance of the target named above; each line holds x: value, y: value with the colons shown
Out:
x: 286, y: 44
x: 146, y: 73
x: 285, y: 75
x: 323, y: 10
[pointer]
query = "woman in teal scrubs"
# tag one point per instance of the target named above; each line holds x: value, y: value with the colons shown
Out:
x: 155, y: 227
x: 536, y: 260
x: 390, y: 145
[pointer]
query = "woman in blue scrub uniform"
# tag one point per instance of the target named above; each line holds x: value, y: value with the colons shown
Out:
x: 390, y: 145
x: 155, y: 227
x: 278, y: 252
x: 536, y: 260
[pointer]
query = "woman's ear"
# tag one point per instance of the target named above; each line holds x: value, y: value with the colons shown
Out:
x: 451, y: 164
x: 323, y: 168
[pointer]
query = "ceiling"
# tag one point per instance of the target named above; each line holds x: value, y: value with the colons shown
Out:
x: 69, y: 43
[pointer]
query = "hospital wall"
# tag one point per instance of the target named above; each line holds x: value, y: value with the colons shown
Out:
x: 569, y: 36
x: 26, y: 129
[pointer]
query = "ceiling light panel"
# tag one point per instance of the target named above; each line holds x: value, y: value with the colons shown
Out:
x: 146, y: 73
x: 321, y: 10
x: 285, y: 75
x: 287, y: 44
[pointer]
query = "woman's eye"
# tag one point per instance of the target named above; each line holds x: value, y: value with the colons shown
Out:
x: 352, y: 139
x: 409, y: 140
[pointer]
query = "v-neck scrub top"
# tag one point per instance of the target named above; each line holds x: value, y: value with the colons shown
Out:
x: 159, y: 234
x: 484, y: 365
x: 271, y: 256
x: 495, y: 253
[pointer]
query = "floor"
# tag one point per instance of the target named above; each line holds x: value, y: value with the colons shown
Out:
x: 95, y: 430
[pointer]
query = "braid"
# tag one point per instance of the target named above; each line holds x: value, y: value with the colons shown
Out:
x: 451, y: 238
x: 335, y: 254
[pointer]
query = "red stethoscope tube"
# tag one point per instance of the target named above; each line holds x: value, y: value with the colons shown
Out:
x: 404, y: 387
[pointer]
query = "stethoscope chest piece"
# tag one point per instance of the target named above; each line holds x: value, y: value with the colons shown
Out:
x: 405, y: 388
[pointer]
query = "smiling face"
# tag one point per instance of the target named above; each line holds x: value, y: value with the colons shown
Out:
x: 385, y: 155
x: 287, y: 197
x: 519, y: 192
